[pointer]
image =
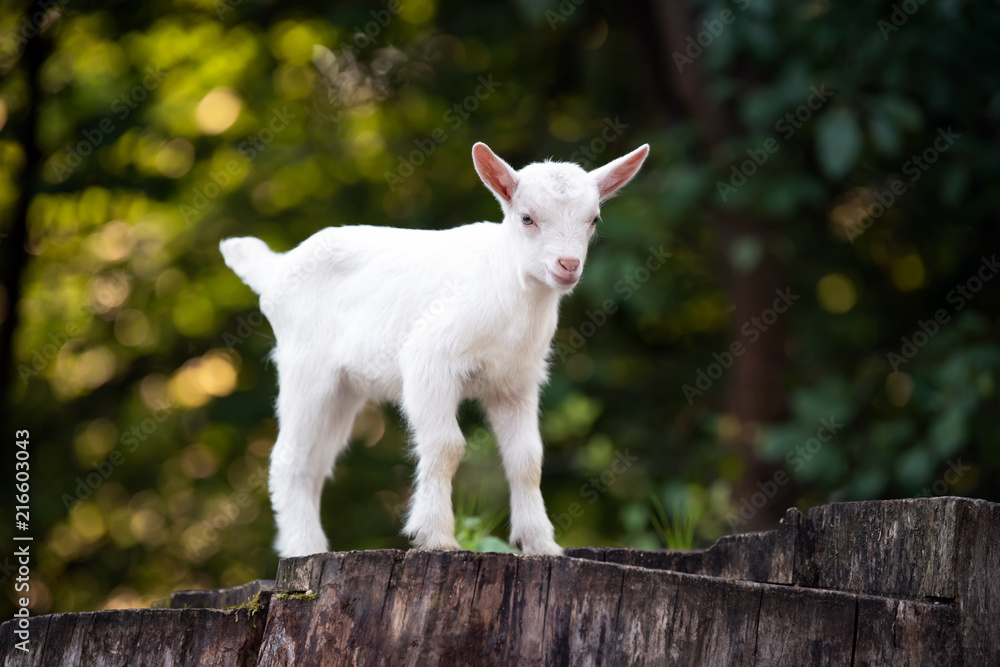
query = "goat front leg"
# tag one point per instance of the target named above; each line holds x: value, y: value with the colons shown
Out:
x: 430, y: 400
x: 514, y: 419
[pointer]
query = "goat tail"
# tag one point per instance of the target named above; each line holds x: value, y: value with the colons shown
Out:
x: 251, y: 260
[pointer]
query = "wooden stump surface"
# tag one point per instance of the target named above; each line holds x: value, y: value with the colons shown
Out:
x: 909, y: 582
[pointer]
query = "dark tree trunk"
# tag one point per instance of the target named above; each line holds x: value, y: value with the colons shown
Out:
x: 12, y: 248
x: 756, y: 394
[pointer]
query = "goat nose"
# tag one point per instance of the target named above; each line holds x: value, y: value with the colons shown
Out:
x: 569, y: 263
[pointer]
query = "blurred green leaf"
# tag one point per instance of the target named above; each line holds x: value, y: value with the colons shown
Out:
x: 884, y: 133
x: 745, y: 252
x: 914, y: 467
x: 948, y: 432
x: 838, y: 142
x: 900, y: 109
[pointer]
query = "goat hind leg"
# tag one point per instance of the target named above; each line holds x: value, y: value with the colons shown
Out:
x: 315, y: 424
x: 336, y: 426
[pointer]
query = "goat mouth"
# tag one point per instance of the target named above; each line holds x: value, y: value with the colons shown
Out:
x: 563, y: 280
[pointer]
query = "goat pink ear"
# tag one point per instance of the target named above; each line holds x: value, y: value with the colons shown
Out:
x: 612, y: 176
x: 496, y: 174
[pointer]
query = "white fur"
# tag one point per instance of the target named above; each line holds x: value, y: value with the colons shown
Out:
x: 425, y: 319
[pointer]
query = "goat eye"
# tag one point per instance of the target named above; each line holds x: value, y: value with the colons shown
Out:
x: 595, y: 220
x: 526, y: 219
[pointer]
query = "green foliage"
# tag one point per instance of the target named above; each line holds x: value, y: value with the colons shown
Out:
x: 474, y: 533
x: 251, y: 606
x: 675, y: 530
x: 475, y: 523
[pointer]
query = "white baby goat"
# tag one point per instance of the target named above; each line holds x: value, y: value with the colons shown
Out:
x: 426, y: 319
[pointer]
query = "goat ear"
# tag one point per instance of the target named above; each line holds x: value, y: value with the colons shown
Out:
x: 612, y: 176
x: 496, y: 174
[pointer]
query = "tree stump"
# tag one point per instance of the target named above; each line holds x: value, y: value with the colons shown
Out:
x: 906, y: 582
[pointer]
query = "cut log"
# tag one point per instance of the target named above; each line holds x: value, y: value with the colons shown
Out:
x: 910, y: 582
x: 139, y: 637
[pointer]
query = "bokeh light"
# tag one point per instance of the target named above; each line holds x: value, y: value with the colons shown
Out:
x: 836, y: 293
x: 218, y: 110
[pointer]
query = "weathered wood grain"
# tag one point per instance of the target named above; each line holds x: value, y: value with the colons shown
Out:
x: 767, y: 557
x: 127, y: 637
x: 905, y: 548
x: 977, y: 579
x: 913, y: 582
x: 499, y: 609
x: 895, y: 632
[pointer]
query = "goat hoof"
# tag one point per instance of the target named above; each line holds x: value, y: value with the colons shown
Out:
x: 539, y: 547
x: 439, y: 544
